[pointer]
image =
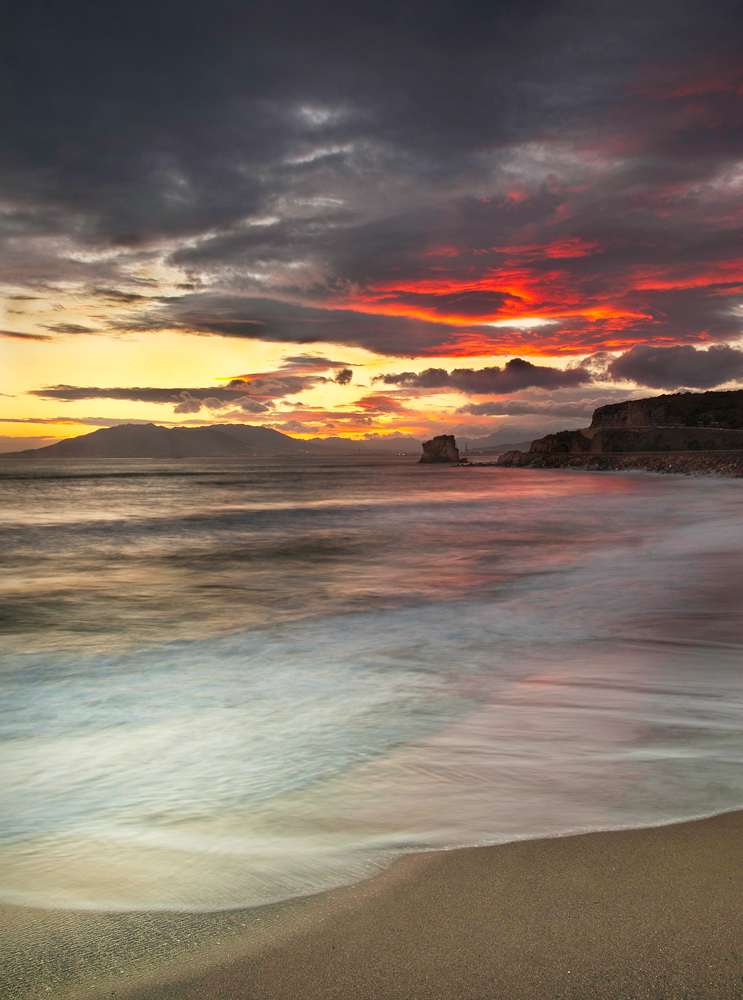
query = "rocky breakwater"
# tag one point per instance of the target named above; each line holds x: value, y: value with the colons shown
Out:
x: 687, y: 463
x: 441, y: 449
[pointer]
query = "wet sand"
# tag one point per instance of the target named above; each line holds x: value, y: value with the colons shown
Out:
x: 641, y: 913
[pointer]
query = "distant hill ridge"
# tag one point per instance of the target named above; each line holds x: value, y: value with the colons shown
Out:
x: 216, y: 441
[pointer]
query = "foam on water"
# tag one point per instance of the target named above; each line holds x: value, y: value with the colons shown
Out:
x: 512, y: 655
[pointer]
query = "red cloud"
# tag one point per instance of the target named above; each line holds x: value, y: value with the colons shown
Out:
x: 722, y: 74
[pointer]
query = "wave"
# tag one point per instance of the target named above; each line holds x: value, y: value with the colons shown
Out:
x: 561, y: 655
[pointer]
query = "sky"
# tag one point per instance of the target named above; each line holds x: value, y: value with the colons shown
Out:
x: 366, y: 219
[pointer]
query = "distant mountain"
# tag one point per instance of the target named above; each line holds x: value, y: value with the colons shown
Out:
x: 153, y: 441
x: 277, y: 442
x: 216, y: 441
x: 257, y: 440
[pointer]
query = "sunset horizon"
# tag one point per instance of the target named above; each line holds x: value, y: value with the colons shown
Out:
x: 272, y: 222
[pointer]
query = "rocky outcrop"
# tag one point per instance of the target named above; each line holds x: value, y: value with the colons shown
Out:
x: 564, y: 442
x: 516, y: 458
x: 440, y: 449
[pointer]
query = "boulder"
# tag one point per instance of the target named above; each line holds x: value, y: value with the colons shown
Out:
x: 440, y: 449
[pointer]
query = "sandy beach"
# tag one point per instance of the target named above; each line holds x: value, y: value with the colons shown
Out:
x: 650, y: 913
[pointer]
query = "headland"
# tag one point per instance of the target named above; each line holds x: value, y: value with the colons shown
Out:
x: 684, y: 433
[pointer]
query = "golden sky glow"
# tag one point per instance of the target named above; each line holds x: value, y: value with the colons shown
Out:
x: 331, y: 273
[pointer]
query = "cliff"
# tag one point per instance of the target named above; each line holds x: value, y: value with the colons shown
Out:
x: 610, y: 440
x: 704, y: 422
x: 682, y: 409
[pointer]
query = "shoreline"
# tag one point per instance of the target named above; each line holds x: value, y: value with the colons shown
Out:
x: 651, y: 912
x: 685, y: 463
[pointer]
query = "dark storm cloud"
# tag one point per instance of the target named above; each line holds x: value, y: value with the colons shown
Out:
x: 159, y: 118
x: 517, y: 374
x: 681, y: 366
x: 69, y: 328
x: 15, y: 335
x: 251, y: 393
x: 545, y: 408
x: 465, y: 303
x: 312, y: 365
x: 117, y: 296
x: 315, y: 361
x: 247, y: 404
x: 83, y: 421
x: 234, y: 392
x: 522, y: 407
x: 269, y: 319
x: 400, y: 163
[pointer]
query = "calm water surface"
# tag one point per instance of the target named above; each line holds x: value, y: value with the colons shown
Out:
x: 228, y: 683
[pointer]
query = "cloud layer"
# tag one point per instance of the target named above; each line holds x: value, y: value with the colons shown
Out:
x: 516, y: 375
x: 395, y: 177
x: 421, y: 181
x: 678, y: 367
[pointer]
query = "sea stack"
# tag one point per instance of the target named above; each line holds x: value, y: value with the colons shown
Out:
x: 440, y: 449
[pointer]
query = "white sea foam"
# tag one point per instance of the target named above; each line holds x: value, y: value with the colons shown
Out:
x: 525, y: 655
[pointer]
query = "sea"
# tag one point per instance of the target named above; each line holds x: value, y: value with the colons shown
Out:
x: 227, y: 683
